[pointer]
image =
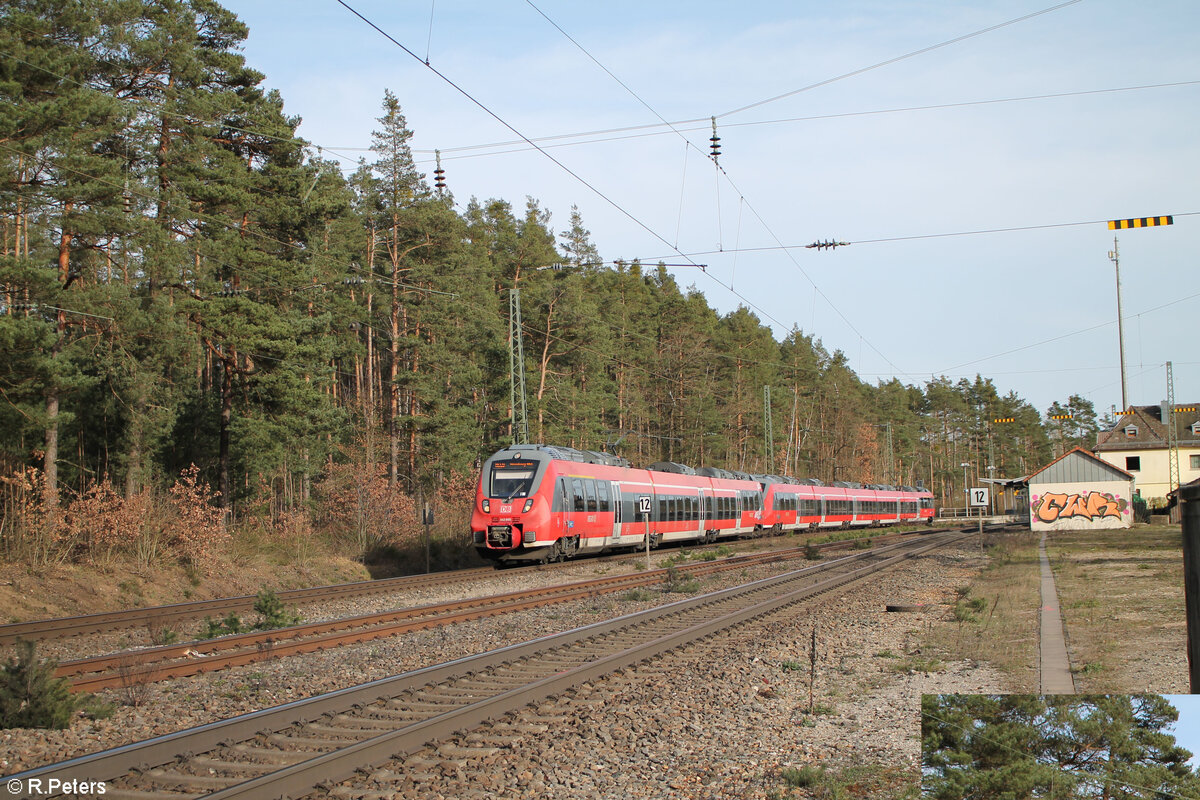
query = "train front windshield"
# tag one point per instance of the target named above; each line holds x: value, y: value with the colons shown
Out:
x: 512, y: 479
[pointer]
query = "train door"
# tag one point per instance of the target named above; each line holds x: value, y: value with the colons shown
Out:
x: 562, y: 504
x: 700, y: 516
x: 617, y: 512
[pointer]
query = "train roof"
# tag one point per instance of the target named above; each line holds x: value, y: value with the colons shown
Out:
x: 728, y: 474
x: 671, y: 466
x: 561, y: 453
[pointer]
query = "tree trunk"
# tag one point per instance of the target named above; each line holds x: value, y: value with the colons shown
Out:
x: 226, y: 425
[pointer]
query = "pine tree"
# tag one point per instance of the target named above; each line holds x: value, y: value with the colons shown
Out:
x: 1024, y: 746
x: 400, y: 186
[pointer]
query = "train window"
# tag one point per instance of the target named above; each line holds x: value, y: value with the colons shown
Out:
x: 559, y: 503
x: 663, y: 510
x: 602, y: 496
x: 589, y: 488
x: 509, y: 481
x: 577, y: 491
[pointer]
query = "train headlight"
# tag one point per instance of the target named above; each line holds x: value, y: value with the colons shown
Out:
x: 528, y: 505
x: 487, y: 506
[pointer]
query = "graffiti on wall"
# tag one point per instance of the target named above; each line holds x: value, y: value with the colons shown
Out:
x: 1089, y: 506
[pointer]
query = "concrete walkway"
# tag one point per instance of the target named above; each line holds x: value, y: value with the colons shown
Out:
x: 1055, y: 662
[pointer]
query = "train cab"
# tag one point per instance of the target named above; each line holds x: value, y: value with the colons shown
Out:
x: 529, y: 508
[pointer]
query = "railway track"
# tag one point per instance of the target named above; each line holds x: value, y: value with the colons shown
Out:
x: 147, y: 665
x: 290, y: 750
x: 169, y: 616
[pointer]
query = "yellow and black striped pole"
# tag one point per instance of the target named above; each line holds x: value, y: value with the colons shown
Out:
x: 1139, y: 222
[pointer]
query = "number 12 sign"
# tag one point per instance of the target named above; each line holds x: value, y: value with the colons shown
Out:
x: 979, y: 497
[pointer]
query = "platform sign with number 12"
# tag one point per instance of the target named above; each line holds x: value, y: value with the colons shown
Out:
x: 979, y: 497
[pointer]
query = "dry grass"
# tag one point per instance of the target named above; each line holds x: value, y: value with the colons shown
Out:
x: 1121, y: 593
x: 996, y: 616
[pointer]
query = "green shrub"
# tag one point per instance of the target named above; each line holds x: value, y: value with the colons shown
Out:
x: 31, y: 697
x: 274, y: 613
x: 211, y: 628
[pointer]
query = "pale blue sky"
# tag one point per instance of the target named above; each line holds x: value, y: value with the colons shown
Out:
x: 909, y: 307
x: 1187, y: 727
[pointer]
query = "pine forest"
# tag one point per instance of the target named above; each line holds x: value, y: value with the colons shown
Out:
x: 206, y: 326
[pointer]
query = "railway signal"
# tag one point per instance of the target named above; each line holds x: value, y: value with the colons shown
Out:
x: 1000, y: 420
x: 1062, y: 416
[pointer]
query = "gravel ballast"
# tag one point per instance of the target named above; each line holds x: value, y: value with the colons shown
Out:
x: 720, y: 718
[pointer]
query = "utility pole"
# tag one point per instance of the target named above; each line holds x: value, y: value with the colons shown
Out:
x: 1173, y: 479
x: 518, y: 413
x: 1114, y: 256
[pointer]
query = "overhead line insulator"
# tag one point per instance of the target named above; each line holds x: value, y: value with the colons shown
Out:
x: 439, y: 174
x: 716, y: 141
x: 826, y: 245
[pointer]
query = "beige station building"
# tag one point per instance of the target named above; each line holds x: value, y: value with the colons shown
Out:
x: 1138, y: 442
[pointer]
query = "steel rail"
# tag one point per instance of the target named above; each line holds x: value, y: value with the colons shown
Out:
x: 166, y: 615
x: 157, y: 663
x: 66, y: 627
x: 152, y: 664
x: 145, y: 757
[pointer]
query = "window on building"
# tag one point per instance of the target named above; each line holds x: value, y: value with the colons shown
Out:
x: 1130, y: 431
x: 1133, y: 463
x: 1196, y: 429
x: 1194, y: 462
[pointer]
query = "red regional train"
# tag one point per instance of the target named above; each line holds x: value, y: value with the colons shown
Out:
x: 548, y: 503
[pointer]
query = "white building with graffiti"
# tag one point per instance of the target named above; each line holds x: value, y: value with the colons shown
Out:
x: 1080, y: 491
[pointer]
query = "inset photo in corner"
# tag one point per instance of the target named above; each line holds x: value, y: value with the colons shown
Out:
x: 1065, y: 747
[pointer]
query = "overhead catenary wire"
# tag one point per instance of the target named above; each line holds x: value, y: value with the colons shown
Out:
x: 916, y: 236
x: 715, y: 151
x: 897, y: 59
x: 615, y: 360
x: 590, y: 186
x: 930, y: 236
